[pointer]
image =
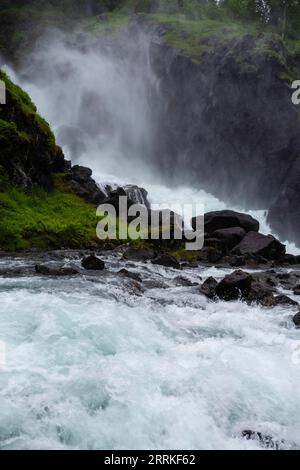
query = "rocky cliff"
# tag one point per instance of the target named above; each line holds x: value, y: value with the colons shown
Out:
x: 28, y: 153
x: 227, y: 124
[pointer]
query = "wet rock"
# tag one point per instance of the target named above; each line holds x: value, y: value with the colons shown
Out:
x: 296, y: 320
x: 93, y: 263
x: 256, y: 244
x: 284, y: 300
x: 260, y: 293
x: 266, y: 441
x: 134, y: 194
x: 208, y: 288
x: 137, y: 195
x: 84, y: 185
x: 47, y: 270
x: 167, y: 261
x: 235, y: 285
x: 154, y: 284
x: 237, y: 261
x: 220, y: 220
x: 297, y: 290
x: 184, y: 282
x: 230, y: 236
x: 289, y: 260
x: 210, y: 255
x: 217, y: 244
x: 138, y: 254
x: 130, y: 275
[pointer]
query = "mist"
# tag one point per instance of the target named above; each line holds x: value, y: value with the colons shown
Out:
x: 104, y: 102
x: 96, y: 97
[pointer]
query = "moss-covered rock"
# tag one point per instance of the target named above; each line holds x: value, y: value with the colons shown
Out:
x: 28, y: 152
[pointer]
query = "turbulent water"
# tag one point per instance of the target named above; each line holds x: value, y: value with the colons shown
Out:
x: 92, y: 363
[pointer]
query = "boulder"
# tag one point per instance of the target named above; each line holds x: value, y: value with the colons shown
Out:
x: 284, y: 300
x: 297, y: 290
x: 208, y: 288
x: 184, y: 282
x: 235, y: 285
x: 138, y: 254
x: 167, y: 261
x: 220, y: 220
x: 84, y: 185
x: 230, y: 236
x: 210, y: 255
x: 256, y: 244
x: 134, y: 194
x: 130, y: 275
x: 137, y: 195
x: 93, y: 263
x: 296, y: 320
x: 47, y: 270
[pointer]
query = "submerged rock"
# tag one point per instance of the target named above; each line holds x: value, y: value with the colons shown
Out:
x: 138, y: 254
x: 167, y: 261
x: 130, y: 275
x: 47, y: 270
x: 297, y: 290
x: 296, y: 320
x: 266, y: 441
x: 235, y: 285
x: 93, y: 263
x: 208, y: 288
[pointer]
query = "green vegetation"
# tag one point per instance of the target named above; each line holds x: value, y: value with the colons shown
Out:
x: 44, y: 219
x: 20, y: 125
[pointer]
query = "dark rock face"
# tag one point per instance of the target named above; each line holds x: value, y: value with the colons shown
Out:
x: 28, y: 153
x: 92, y: 263
x: 256, y: 244
x: 235, y: 285
x: 220, y: 220
x: 167, y: 261
x: 230, y: 114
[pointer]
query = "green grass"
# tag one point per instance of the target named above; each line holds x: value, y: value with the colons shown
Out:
x: 115, y: 22
x: 44, y: 219
x: 190, y: 35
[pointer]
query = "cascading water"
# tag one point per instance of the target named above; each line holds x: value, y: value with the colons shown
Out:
x: 97, y: 365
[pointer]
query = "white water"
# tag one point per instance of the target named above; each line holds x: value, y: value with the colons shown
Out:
x: 91, y: 366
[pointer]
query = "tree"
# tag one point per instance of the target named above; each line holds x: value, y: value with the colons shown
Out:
x: 279, y: 13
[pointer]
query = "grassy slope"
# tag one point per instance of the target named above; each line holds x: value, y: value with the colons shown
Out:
x: 44, y: 219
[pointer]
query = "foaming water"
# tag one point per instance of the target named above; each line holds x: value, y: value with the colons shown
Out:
x: 91, y: 366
